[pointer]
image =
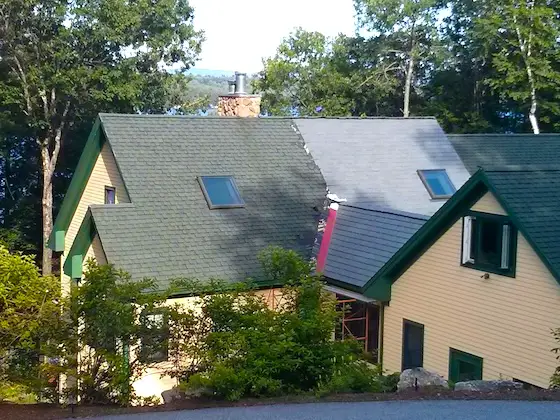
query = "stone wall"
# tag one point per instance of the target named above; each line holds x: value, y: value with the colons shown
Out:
x: 239, y: 106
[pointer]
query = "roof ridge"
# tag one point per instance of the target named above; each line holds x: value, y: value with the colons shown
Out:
x: 389, y: 211
x: 274, y: 117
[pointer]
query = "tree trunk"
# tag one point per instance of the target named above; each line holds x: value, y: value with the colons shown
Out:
x: 407, y: 86
x: 532, y: 114
x: 47, y: 207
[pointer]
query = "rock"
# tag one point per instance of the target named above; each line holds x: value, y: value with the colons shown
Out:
x: 421, y: 377
x: 488, y: 386
x: 171, y: 395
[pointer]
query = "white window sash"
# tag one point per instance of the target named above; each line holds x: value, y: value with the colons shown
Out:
x: 467, y: 239
x: 506, y: 233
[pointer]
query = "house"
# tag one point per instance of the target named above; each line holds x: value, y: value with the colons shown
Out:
x: 170, y: 197
x: 475, y: 293
x: 385, y: 177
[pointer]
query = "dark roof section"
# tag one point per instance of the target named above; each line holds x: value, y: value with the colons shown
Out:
x: 531, y: 198
x: 373, y: 163
x: 364, y: 240
x: 168, y: 231
x: 513, y: 151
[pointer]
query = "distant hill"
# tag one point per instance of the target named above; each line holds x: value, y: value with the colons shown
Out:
x: 211, y: 86
x: 207, y: 72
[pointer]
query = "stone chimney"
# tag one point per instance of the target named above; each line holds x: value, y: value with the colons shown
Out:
x: 238, y: 103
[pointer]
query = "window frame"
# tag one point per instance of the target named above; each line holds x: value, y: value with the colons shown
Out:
x: 110, y: 188
x: 405, y: 323
x: 456, y: 356
x: 144, y: 354
x: 220, y: 206
x: 433, y: 196
x: 490, y: 268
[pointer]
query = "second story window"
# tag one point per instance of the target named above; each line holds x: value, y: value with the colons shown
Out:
x: 110, y: 195
x: 437, y: 183
x: 489, y: 243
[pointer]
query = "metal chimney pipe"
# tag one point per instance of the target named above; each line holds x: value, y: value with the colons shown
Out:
x: 231, y: 87
x: 240, y: 83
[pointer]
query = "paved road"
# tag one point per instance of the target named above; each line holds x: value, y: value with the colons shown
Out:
x: 397, y: 410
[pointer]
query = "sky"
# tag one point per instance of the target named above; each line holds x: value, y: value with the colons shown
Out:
x: 240, y: 33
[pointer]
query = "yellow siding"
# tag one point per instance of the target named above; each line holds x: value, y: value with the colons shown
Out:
x: 96, y: 252
x: 506, y: 321
x: 105, y: 173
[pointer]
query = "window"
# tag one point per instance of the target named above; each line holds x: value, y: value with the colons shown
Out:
x: 220, y: 192
x: 154, y: 336
x: 413, y: 345
x: 464, y: 366
x: 437, y: 183
x: 110, y: 195
x: 489, y: 243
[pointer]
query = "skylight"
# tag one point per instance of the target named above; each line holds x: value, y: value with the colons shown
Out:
x: 437, y: 183
x: 220, y: 192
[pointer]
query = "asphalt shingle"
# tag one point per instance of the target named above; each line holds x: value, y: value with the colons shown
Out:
x: 363, y: 240
x: 373, y: 162
x: 499, y: 151
x: 168, y: 231
x: 534, y: 199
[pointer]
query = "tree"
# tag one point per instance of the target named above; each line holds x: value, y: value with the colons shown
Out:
x: 314, y: 75
x: 29, y: 304
x: 525, y: 34
x: 65, y: 61
x: 412, y: 22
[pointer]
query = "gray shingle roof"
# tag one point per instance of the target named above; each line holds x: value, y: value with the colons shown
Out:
x: 534, y: 199
x: 168, y: 231
x: 364, y: 240
x: 372, y: 162
x: 497, y: 151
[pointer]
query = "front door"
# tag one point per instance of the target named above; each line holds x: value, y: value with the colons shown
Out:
x: 413, y: 345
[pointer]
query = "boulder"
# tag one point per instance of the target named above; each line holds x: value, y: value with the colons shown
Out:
x: 420, y: 378
x: 488, y: 386
x: 171, y: 395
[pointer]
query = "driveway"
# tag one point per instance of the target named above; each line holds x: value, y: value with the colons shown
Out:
x: 394, y: 410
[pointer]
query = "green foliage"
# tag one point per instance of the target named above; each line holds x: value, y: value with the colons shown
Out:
x: 358, y: 376
x: 246, y: 349
x: 555, y: 379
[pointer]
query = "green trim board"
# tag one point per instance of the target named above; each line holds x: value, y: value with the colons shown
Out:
x: 73, y: 265
x: 379, y: 286
x: 85, y: 166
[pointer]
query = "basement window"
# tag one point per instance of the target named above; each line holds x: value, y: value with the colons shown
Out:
x: 220, y: 192
x: 437, y: 183
x: 489, y: 243
x: 110, y: 195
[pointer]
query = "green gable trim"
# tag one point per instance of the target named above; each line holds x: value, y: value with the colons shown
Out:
x: 91, y: 151
x: 73, y: 266
x: 379, y: 286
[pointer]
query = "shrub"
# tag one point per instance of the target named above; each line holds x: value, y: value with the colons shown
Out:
x: 555, y: 379
x: 250, y: 350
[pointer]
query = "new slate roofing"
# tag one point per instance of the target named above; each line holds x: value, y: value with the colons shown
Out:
x: 373, y: 162
x: 168, y: 230
x: 534, y: 199
x: 364, y: 240
x: 497, y: 151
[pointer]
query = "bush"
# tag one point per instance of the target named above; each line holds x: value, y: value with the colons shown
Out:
x: 555, y: 379
x: 251, y: 350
